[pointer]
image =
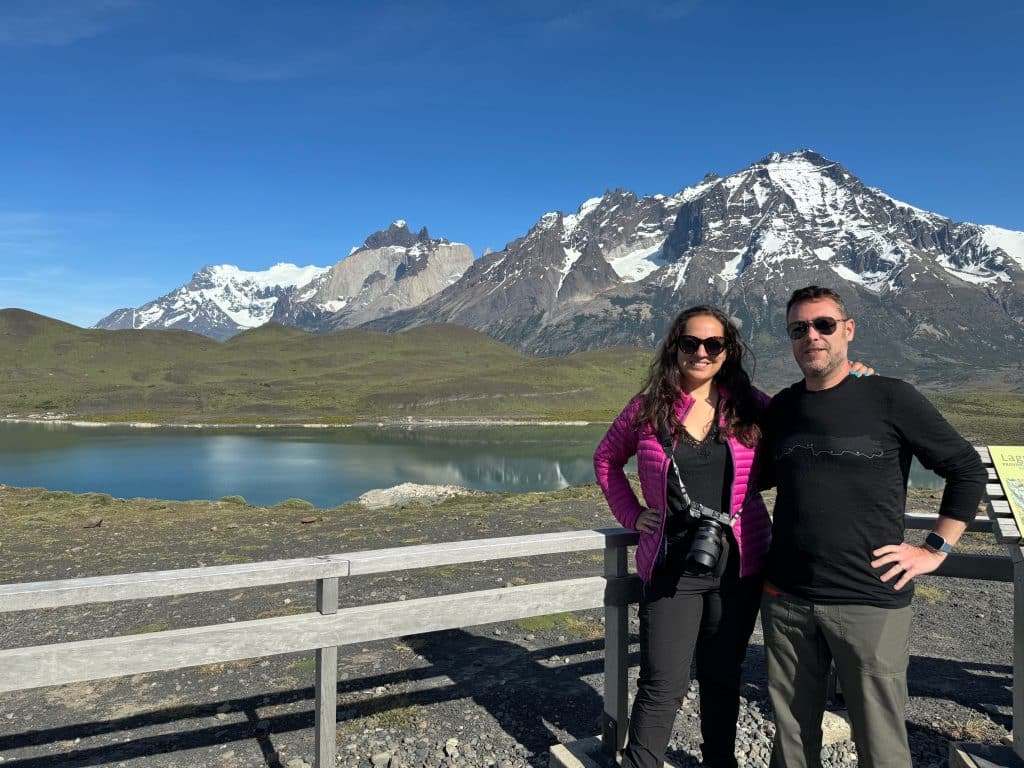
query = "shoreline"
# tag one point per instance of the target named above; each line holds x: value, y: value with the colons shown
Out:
x: 61, y: 420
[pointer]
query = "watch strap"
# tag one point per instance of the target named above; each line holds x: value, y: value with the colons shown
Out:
x: 936, y: 543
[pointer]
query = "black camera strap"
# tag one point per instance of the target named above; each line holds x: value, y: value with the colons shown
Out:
x: 665, y: 438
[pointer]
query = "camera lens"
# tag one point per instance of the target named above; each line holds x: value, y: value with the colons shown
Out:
x: 706, y: 547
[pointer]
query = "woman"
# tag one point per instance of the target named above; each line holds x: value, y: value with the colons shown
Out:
x: 699, y: 407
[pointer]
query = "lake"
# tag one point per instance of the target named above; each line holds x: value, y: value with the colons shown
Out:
x: 324, y: 466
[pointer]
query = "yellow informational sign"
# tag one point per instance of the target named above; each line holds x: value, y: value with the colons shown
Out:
x: 1009, y: 463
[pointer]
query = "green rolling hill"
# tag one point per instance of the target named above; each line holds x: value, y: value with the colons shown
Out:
x: 280, y: 374
x: 285, y: 375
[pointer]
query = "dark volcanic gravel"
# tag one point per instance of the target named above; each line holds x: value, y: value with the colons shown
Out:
x: 494, y: 695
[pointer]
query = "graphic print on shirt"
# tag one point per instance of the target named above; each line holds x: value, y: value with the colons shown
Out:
x: 861, y: 446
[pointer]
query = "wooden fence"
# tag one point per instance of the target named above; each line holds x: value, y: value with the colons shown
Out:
x: 331, y: 626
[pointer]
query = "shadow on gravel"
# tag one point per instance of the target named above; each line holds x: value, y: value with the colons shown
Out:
x: 525, y: 696
x: 987, y: 688
x: 510, y: 682
x: 527, y: 693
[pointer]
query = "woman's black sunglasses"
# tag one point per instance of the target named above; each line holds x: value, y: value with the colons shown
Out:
x: 826, y: 326
x: 713, y: 345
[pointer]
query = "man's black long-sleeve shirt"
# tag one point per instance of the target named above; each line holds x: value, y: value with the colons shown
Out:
x: 840, y: 458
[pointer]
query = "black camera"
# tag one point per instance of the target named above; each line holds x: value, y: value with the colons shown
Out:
x: 708, y: 538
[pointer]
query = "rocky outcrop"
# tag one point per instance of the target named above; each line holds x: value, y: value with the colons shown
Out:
x: 406, y: 492
x: 393, y: 271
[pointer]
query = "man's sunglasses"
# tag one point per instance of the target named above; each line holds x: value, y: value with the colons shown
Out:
x: 826, y: 326
x: 713, y: 345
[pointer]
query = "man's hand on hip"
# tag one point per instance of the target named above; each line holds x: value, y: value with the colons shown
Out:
x: 905, y: 559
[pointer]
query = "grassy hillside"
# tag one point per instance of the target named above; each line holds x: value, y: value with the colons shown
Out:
x: 281, y: 374
x: 988, y: 417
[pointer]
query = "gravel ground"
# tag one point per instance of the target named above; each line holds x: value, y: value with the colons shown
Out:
x: 494, y: 695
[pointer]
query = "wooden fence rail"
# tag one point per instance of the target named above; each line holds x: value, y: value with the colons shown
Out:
x: 331, y: 626
x: 323, y: 630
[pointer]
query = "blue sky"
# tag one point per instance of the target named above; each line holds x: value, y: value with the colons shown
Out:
x: 143, y: 139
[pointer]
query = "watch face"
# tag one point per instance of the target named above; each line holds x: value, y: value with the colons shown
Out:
x: 936, y: 542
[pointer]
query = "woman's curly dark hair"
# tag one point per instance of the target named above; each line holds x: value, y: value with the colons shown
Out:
x: 742, y: 411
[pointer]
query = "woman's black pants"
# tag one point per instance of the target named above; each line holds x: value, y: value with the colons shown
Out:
x: 682, y: 617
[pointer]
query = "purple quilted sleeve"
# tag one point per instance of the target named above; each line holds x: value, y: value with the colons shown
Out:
x: 613, y: 452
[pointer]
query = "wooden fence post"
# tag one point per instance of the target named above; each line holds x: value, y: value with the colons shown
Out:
x: 615, y: 720
x: 326, y: 707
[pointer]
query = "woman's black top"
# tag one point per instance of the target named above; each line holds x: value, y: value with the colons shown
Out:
x: 706, y: 470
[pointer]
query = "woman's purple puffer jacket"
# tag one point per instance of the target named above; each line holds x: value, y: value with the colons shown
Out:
x: 752, y: 529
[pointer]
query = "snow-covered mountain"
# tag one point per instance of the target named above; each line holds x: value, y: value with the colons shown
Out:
x: 219, y: 301
x: 924, y: 289
x: 393, y: 270
x: 933, y: 298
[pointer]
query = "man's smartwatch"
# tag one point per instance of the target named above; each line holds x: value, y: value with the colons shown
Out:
x: 937, y: 544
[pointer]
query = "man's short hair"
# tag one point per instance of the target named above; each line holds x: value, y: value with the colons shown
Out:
x: 813, y: 293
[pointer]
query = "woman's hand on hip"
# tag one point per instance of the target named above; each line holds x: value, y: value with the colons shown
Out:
x: 648, y: 521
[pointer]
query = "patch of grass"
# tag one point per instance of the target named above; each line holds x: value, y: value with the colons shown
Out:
x: 401, y: 718
x: 56, y: 495
x: 234, y: 500
x: 295, y: 504
x: 447, y: 571
x: 284, y: 683
x: 414, y: 643
x: 145, y: 629
x: 303, y: 665
x: 569, y: 623
x: 223, y: 666
x: 541, y: 623
x: 351, y: 726
x: 284, y: 610
x: 973, y: 729
x: 929, y: 593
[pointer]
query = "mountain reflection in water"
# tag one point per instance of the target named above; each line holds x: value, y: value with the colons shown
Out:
x: 325, y: 466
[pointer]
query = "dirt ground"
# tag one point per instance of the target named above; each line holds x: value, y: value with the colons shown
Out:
x: 505, y: 691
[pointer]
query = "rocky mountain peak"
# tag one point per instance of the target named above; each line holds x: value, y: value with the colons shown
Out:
x: 620, y: 266
x: 219, y: 301
x: 394, y: 270
x: 616, y: 269
x: 397, y: 234
x: 807, y: 155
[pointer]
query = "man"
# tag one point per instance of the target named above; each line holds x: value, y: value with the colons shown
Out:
x: 840, y: 577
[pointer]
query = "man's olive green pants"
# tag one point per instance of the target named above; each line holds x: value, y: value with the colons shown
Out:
x: 870, y: 647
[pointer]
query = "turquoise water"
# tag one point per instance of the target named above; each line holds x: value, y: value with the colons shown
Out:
x: 324, y: 466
